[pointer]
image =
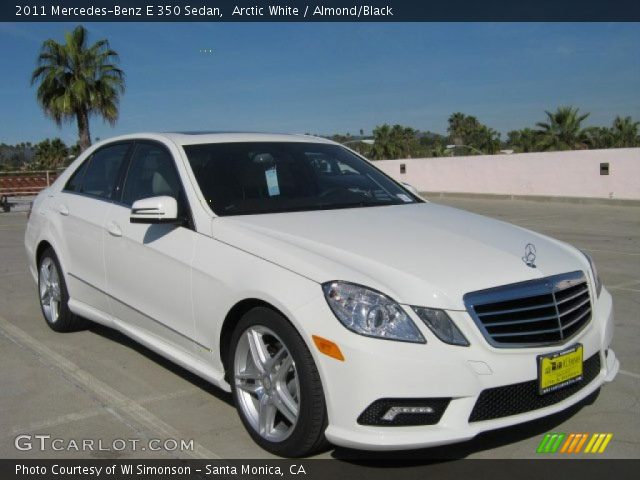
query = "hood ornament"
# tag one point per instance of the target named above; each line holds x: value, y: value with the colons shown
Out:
x: 529, y: 255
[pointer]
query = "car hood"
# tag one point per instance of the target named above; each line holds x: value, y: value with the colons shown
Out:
x: 419, y: 254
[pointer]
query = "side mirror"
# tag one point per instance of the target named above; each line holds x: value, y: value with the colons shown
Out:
x: 411, y: 188
x: 162, y: 209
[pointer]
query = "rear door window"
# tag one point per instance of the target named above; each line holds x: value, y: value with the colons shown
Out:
x: 75, y: 182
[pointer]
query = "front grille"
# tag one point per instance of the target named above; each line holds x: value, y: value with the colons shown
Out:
x: 523, y: 397
x: 374, y: 413
x: 539, y: 312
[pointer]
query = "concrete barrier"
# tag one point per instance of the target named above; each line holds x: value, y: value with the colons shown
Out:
x: 606, y: 174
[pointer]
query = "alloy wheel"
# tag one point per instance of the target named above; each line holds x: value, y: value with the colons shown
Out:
x: 267, y: 384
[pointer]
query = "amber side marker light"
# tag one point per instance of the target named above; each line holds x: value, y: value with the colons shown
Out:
x: 328, y: 347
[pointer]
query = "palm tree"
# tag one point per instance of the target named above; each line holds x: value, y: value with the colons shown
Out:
x: 393, y: 142
x: 457, y: 124
x: 440, y: 150
x: 523, y: 141
x: 467, y: 131
x: 384, y: 146
x: 599, y: 137
x: 563, y: 130
x: 77, y: 81
x: 625, y: 132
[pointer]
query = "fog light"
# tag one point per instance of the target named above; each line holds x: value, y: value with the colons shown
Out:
x: 394, y: 411
x: 398, y: 412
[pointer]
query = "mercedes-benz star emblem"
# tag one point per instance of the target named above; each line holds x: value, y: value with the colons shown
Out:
x: 530, y: 255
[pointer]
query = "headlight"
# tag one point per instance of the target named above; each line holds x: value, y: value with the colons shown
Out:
x: 441, y: 325
x: 370, y: 313
x: 594, y: 272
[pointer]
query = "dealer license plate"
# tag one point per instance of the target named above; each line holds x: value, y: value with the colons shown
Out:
x: 560, y: 369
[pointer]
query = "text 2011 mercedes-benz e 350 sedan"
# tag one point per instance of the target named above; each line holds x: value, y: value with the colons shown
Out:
x: 334, y: 303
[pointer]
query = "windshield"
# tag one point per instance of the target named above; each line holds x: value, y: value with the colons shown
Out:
x: 268, y: 177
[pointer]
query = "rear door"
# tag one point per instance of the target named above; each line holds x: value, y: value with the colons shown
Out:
x: 148, y: 267
x: 81, y: 209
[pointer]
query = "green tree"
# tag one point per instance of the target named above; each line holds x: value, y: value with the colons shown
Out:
x: 598, y: 137
x: 439, y: 150
x: 458, y: 127
x: 77, y: 80
x: 625, y: 132
x: 75, y: 150
x: 466, y: 130
x: 523, y: 141
x: 351, y: 142
x: 432, y: 145
x: 384, y: 146
x: 563, y: 130
x: 16, y: 157
x: 51, y: 154
x: 391, y: 142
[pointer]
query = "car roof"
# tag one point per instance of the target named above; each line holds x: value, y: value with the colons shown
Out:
x: 193, y: 138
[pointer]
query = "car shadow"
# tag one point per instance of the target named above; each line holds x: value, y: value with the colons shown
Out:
x: 115, y: 336
x: 484, y: 441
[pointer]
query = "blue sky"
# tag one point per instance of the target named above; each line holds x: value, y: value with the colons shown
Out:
x: 329, y: 77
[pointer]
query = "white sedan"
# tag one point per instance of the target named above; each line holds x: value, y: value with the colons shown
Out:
x: 333, y: 302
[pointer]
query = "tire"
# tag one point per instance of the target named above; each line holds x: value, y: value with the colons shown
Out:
x: 266, y: 393
x: 54, y: 296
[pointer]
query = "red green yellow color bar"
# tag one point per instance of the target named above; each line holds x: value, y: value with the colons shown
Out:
x: 573, y: 443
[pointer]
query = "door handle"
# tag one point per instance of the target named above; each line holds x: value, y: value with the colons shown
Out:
x: 114, y: 229
x: 63, y: 209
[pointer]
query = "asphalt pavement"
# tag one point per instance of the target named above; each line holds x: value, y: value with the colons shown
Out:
x: 98, y: 386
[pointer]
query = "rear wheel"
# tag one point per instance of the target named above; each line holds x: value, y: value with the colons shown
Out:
x: 54, y: 297
x: 276, y: 385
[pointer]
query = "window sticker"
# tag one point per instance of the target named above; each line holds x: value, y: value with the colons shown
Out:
x: 404, y: 198
x: 272, y: 182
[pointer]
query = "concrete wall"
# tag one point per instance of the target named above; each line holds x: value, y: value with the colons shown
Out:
x: 557, y: 174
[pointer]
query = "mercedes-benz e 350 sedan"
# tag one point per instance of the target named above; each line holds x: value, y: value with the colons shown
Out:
x: 332, y: 301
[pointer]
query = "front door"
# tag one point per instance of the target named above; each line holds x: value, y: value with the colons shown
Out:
x: 148, y: 267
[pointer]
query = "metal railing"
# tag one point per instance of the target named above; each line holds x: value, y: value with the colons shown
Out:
x: 24, y: 184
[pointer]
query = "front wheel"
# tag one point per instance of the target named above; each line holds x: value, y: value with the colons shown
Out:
x: 276, y: 385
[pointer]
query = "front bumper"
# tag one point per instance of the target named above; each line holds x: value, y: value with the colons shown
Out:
x: 374, y: 369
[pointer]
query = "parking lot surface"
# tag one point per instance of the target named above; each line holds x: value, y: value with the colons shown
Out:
x: 97, y: 385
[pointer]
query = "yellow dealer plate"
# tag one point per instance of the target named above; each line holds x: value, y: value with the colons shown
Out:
x: 560, y: 369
